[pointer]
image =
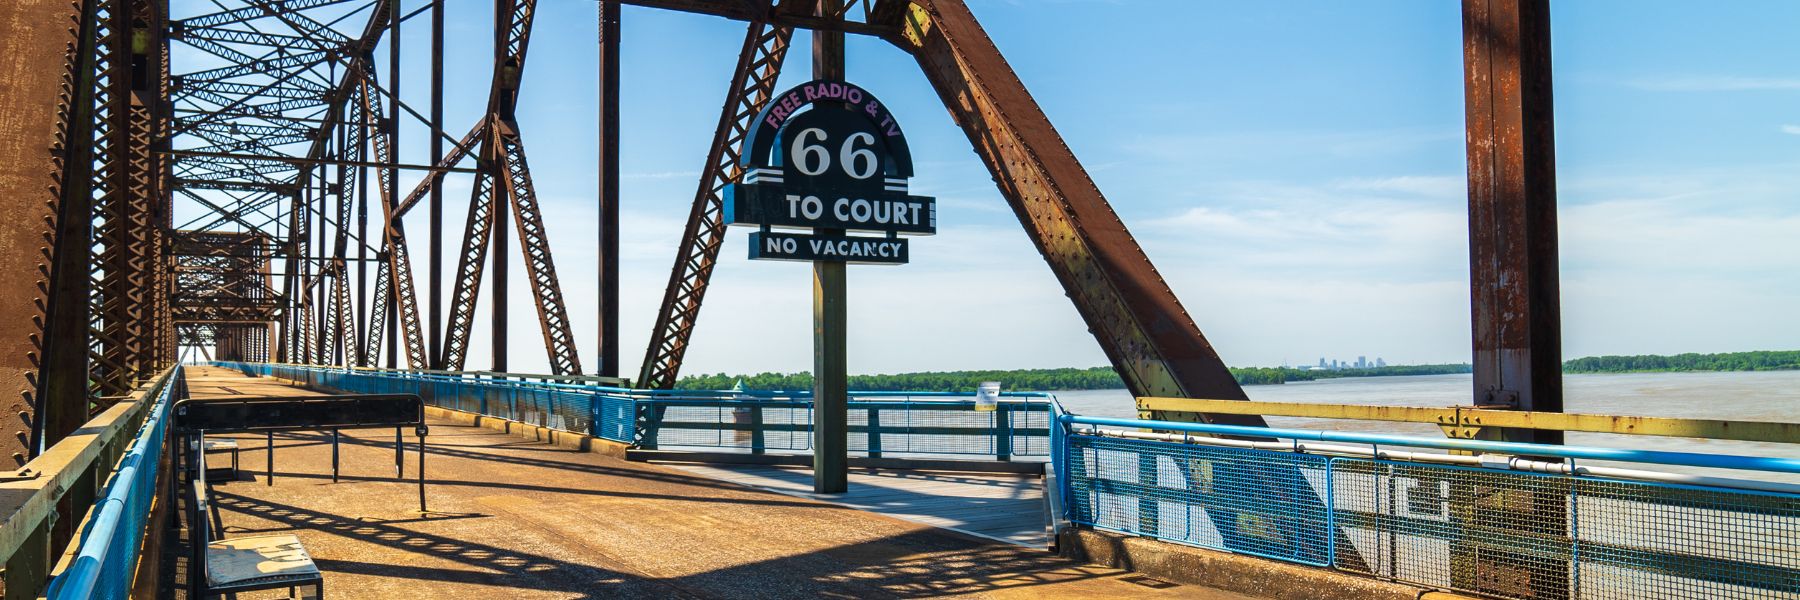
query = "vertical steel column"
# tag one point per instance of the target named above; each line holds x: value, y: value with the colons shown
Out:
x: 831, y: 443
x: 435, y: 315
x: 1516, y: 318
x: 609, y: 189
x: 63, y: 385
x: 497, y: 326
x: 1512, y: 209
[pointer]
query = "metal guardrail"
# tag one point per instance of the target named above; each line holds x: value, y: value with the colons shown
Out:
x: 105, y: 560
x: 1490, y: 525
x: 879, y: 423
x: 923, y: 423
x: 49, y: 502
x: 592, y: 410
x: 1467, y: 421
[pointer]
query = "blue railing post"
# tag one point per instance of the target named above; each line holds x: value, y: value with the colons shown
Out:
x: 756, y: 429
x: 874, y: 444
x: 1003, y: 432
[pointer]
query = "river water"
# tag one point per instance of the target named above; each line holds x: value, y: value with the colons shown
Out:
x: 1744, y: 396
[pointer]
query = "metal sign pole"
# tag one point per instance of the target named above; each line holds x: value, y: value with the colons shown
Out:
x: 831, y: 444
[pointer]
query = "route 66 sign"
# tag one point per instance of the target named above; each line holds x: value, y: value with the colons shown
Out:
x: 827, y: 155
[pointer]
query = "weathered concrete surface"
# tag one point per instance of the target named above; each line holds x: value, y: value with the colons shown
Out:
x: 1266, y: 578
x: 516, y: 518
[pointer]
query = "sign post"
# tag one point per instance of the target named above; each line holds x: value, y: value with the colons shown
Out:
x: 826, y: 164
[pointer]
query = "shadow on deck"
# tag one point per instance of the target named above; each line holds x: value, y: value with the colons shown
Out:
x: 516, y: 519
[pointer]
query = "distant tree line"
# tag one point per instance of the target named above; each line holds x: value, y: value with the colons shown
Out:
x: 1096, y: 378
x: 1761, y: 360
x: 1104, y: 378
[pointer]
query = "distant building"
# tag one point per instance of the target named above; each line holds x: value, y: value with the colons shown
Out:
x: 1379, y: 364
x: 1321, y: 362
x: 1362, y: 362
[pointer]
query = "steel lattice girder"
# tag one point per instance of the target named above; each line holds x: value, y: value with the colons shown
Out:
x: 752, y: 85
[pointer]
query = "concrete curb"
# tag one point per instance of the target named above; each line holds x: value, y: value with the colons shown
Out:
x: 1232, y: 572
x: 860, y: 462
x: 556, y: 437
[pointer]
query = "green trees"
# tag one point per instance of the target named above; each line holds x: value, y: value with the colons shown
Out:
x: 1095, y: 378
x: 1760, y: 360
x: 1103, y: 378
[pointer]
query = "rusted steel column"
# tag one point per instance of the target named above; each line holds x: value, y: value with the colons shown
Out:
x: 1512, y: 209
x: 1515, y: 316
x: 64, y: 381
x: 831, y: 441
x: 36, y: 55
x: 609, y: 189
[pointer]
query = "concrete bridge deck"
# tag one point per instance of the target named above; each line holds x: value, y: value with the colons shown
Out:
x: 513, y: 518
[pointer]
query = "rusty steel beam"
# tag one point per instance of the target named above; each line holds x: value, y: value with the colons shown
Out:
x: 1513, y: 281
x: 399, y: 273
x: 1140, y: 324
x: 534, y: 242
x: 46, y: 62
x: 608, y: 169
x: 477, y: 237
x: 63, y: 385
x: 752, y: 84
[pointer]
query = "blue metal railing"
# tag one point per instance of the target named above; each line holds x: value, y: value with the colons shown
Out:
x: 1491, y: 525
x: 1494, y: 527
x: 881, y: 423
x: 106, y: 554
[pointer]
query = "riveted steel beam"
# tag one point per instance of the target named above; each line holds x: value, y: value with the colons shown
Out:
x: 752, y: 84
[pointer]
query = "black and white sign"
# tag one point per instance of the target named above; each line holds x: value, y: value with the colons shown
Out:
x: 828, y: 155
x: 771, y: 245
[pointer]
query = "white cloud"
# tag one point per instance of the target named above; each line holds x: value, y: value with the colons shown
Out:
x: 1791, y: 129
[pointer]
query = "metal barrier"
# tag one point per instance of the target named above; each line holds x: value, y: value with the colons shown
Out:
x: 90, y: 491
x: 1491, y: 525
x: 106, y: 557
x: 607, y: 413
x: 880, y: 422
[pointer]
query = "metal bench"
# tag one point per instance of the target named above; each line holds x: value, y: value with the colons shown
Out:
x: 243, y: 564
x: 267, y: 562
x: 221, y: 446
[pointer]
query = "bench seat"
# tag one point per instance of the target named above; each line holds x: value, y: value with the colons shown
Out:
x: 272, y: 560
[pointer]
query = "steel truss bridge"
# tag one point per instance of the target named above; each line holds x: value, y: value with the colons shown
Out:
x: 282, y: 138
x: 279, y: 149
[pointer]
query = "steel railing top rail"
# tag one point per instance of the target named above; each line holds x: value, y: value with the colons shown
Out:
x: 95, y: 543
x: 1465, y: 420
x: 484, y: 378
x: 1686, y: 459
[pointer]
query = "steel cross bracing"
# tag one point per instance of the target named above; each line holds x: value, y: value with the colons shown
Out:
x: 752, y: 84
x: 273, y: 130
x: 502, y: 161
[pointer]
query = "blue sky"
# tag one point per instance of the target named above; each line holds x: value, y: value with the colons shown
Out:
x: 1295, y: 169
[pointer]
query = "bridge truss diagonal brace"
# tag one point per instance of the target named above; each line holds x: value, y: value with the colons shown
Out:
x: 471, y: 264
x: 1131, y: 311
x: 1133, y: 314
x: 515, y: 177
x: 752, y: 85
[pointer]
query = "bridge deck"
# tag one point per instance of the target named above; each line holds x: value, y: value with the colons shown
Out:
x: 519, y: 519
x: 1005, y: 507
